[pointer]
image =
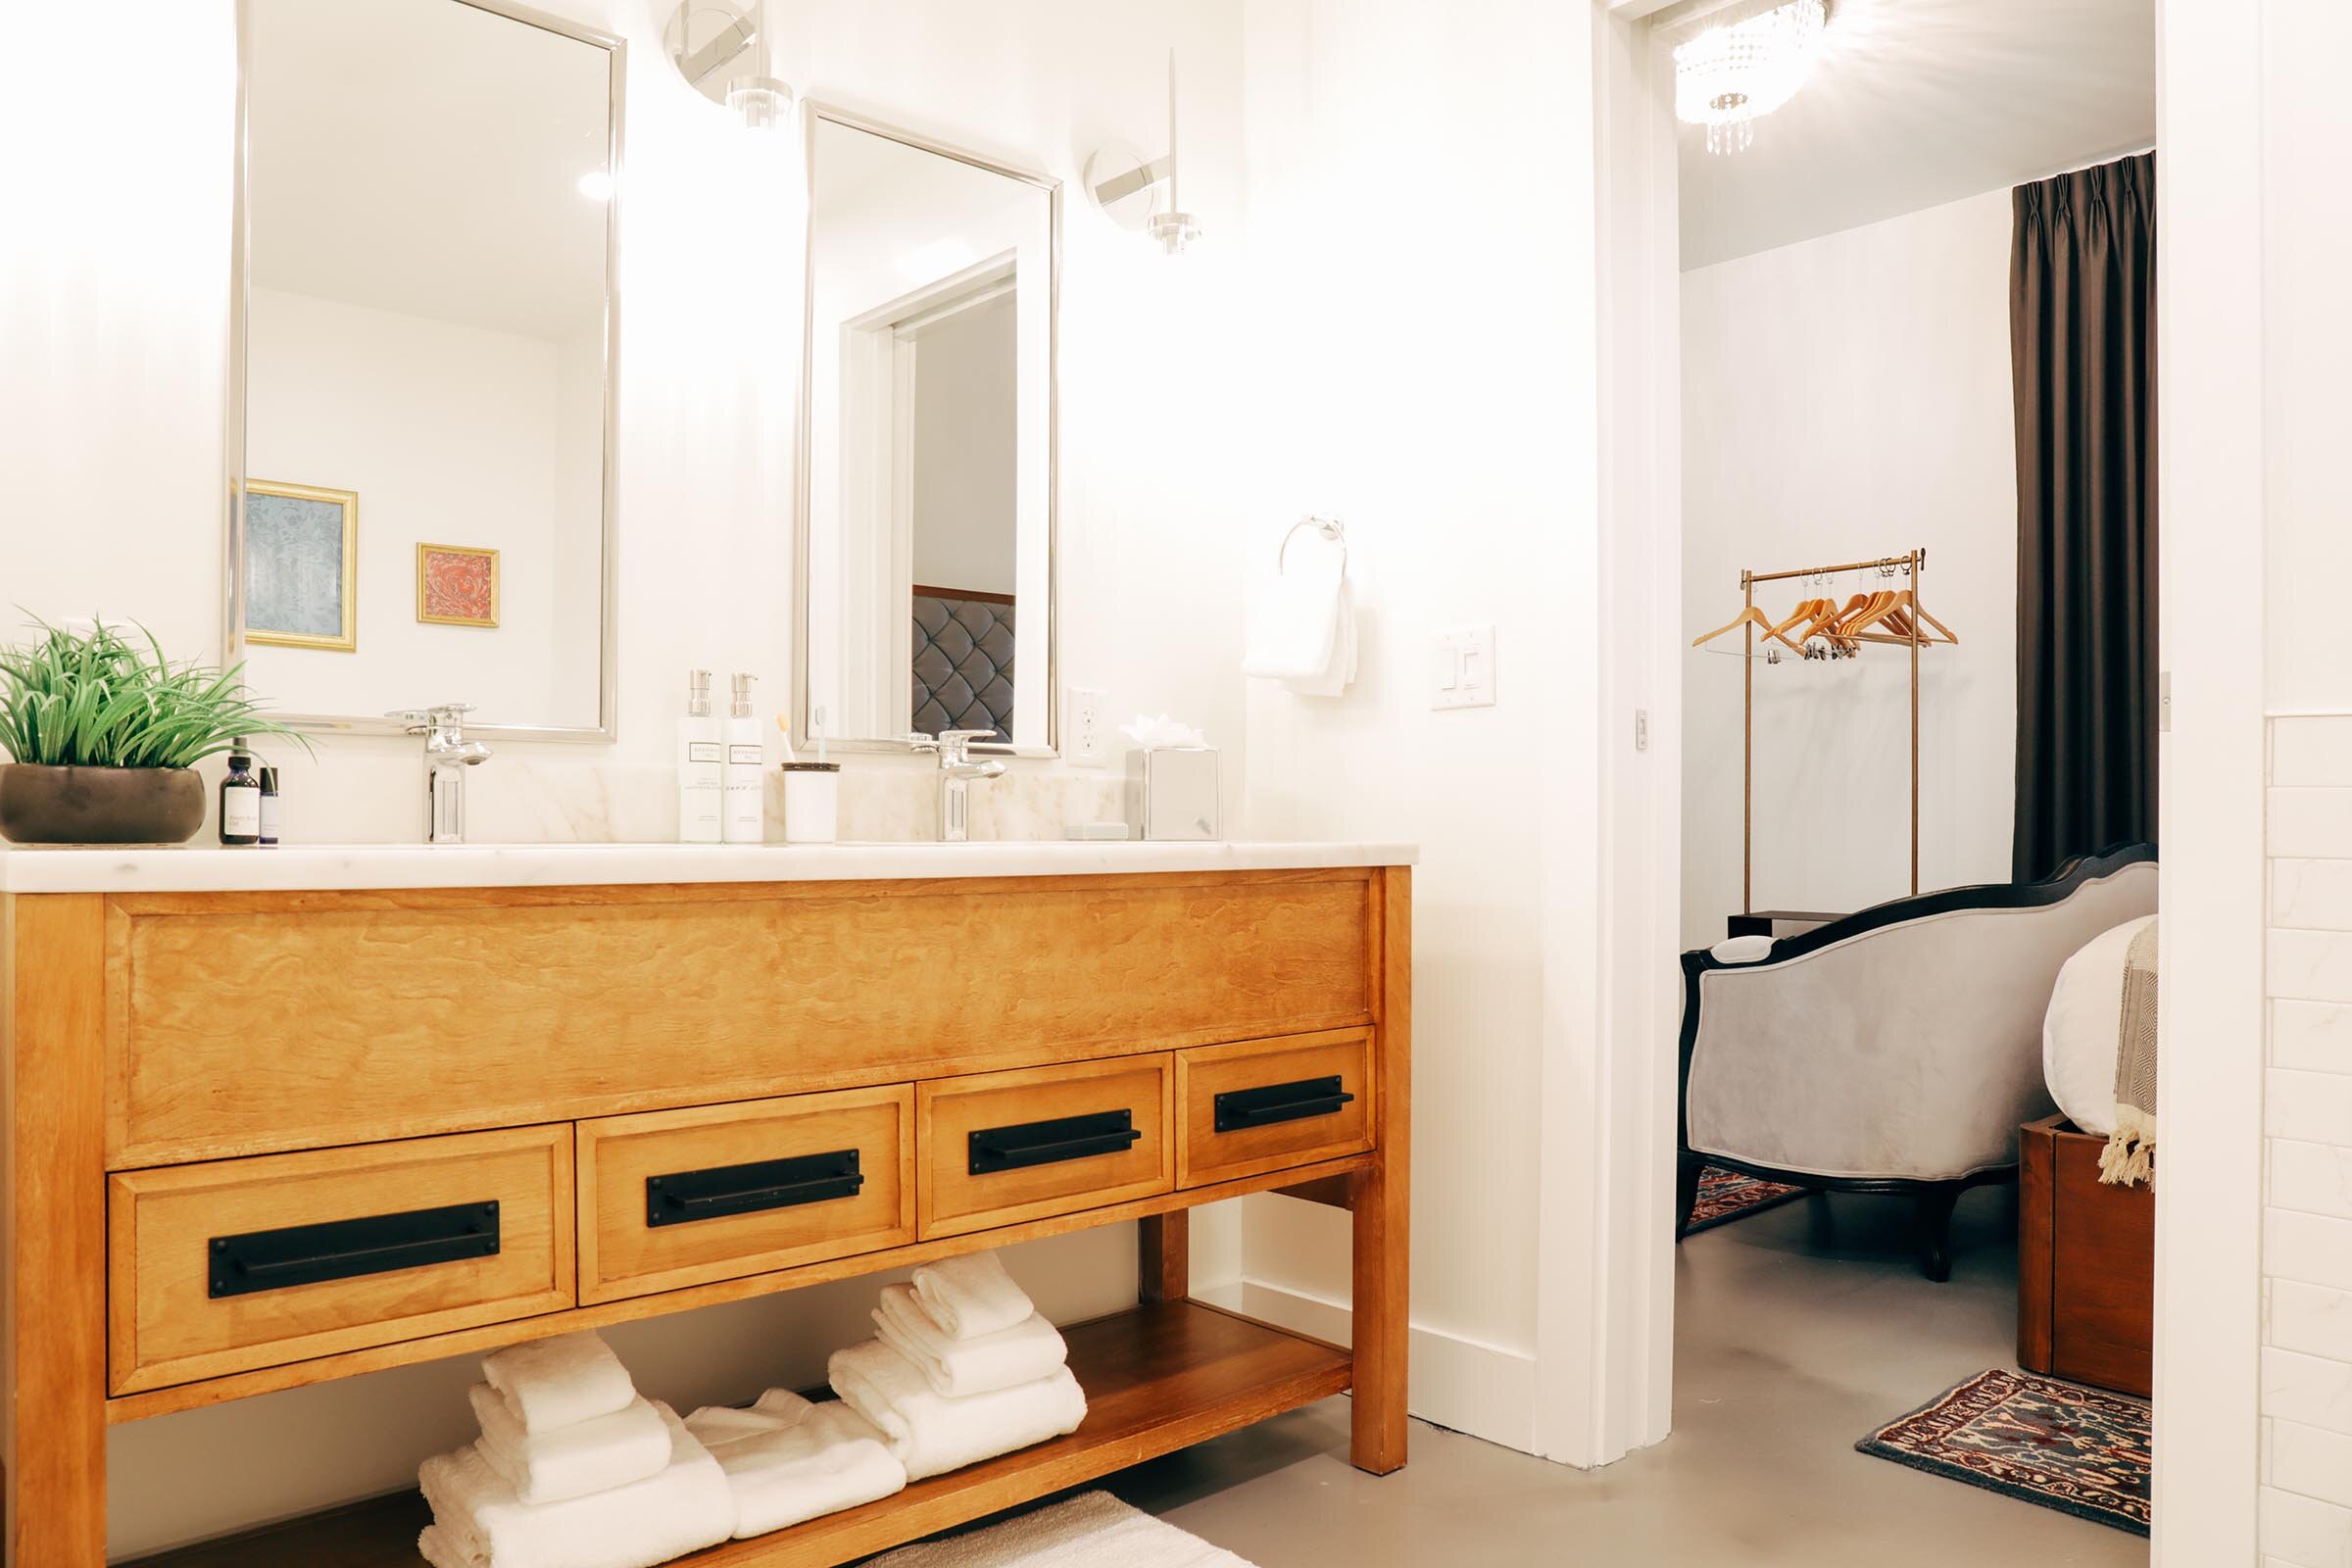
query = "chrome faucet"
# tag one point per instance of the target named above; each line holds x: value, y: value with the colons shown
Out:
x: 448, y: 753
x: 956, y: 770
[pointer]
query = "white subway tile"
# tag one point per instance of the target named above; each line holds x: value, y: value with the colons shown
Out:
x: 2311, y: 965
x: 2313, y: 1107
x: 2311, y: 1178
x: 2267, y: 1434
x: 2304, y: 1530
x: 2311, y: 1461
x: 2311, y: 1389
x: 2310, y: 1036
x: 2309, y: 1247
x: 2312, y: 822
x: 2311, y: 1319
x: 2311, y: 751
x: 2315, y: 894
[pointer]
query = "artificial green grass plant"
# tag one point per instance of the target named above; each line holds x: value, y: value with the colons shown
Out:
x: 99, y: 700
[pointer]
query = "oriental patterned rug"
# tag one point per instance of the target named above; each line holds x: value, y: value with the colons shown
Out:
x: 2079, y: 1450
x: 1725, y: 1196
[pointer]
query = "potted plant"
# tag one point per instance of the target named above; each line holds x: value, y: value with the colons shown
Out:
x: 104, y: 735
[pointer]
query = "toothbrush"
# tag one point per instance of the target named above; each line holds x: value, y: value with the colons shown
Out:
x: 818, y: 723
x: 785, y: 730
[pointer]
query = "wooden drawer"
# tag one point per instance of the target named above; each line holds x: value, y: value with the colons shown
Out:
x: 1283, y: 1104
x: 846, y: 1184
x: 193, y: 1251
x: 1032, y: 1169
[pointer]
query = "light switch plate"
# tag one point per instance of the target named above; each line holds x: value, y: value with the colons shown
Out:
x: 1082, y: 712
x: 1462, y: 667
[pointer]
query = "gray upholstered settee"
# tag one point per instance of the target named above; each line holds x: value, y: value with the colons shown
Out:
x: 1894, y: 1051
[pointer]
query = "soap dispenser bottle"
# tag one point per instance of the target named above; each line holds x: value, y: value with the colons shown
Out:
x: 702, y: 768
x: 747, y: 764
x: 240, y: 798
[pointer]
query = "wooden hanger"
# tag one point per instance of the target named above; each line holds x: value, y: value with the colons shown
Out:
x: 1751, y: 616
x: 1805, y: 610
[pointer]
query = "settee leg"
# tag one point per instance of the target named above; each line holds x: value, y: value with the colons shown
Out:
x: 1685, y: 1190
x: 1934, y: 1220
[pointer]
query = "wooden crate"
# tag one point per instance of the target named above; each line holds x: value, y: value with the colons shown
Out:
x: 2086, y: 1263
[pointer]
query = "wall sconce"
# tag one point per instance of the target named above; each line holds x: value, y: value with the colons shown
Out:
x: 726, y: 55
x: 1140, y: 195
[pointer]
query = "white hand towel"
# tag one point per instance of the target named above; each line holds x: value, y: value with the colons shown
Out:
x: 968, y: 1297
x: 560, y: 1382
x: 572, y: 1461
x: 1022, y: 1353
x: 788, y: 1460
x: 482, y: 1524
x: 1303, y: 633
x: 931, y: 1434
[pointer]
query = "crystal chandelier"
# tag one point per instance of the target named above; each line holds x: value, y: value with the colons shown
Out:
x: 1728, y: 77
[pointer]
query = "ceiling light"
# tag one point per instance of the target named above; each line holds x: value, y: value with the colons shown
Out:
x: 1731, y: 75
x: 597, y: 185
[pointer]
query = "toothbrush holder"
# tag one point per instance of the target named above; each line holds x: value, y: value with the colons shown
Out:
x: 812, y: 801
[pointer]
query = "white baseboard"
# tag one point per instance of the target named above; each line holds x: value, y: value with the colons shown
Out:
x: 1485, y: 1390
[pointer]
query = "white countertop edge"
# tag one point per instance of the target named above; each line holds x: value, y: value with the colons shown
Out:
x: 308, y: 868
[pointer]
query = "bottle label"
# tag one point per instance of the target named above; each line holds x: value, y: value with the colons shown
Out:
x: 269, y: 818
x: 703, y: 751
x: 746, y: 755
x: 241, y: 812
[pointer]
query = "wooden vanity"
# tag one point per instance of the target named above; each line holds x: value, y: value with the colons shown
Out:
x: 263, y: 1137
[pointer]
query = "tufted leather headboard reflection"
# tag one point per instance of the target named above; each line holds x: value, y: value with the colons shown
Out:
x: 962, y: 662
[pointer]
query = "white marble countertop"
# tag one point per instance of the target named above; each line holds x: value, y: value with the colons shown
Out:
x: 211, y: 868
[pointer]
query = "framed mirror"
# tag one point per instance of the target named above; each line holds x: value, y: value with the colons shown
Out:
x: 927, y: 443
x: 423, y: 327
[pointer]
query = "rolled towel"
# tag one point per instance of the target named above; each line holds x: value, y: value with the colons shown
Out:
x: 788, y: 1461
x: 968, y: 1297
x: 931, y: 1434
x: 572, y: 1461
x: 1022, y: 1353
x: 560, y: 1382
x: 482, y: 1524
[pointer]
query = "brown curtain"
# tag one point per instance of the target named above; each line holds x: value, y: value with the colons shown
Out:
x: 2082, y: 343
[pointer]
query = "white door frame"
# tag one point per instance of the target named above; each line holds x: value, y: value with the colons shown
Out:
x: 2208, y: 1321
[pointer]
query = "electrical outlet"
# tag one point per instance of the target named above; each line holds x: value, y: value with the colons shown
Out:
x: 1082, y: 712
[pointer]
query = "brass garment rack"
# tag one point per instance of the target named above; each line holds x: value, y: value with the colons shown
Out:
x: 1915, y: 564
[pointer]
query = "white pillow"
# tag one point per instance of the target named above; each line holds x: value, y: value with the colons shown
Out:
x: 2082, y: 1032
x: 1740, y: 950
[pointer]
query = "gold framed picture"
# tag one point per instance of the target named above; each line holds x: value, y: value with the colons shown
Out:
x: 302, y: 567
x: 456, y: 585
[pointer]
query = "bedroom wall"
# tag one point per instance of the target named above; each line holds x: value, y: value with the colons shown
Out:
x: 1845, y: 398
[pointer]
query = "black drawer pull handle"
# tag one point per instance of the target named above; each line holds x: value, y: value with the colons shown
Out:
x: 1049, y: 1143
x: 348, y: 1248
x: 764, y: 1184
x: 1239, y: 1109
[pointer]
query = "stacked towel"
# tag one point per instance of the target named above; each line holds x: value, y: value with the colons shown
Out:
x: 572, y: 1470
x: 788, y: 1460
x: 963, y: 1369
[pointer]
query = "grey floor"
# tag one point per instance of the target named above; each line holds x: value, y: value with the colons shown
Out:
x: 1799, y: 1330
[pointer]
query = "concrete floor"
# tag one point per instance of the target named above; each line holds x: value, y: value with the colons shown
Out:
x: 1799, y: 1330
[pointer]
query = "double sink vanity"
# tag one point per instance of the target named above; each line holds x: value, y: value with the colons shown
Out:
x: 275, y: 1119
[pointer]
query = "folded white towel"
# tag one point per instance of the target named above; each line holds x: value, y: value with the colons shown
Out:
x: 1303, y: 633
x: 931, y: 1434
x: 789, y: 1460
x: 560, y: 1382
x: 968, y: 1297
x: 1022, y: 1353
x: 482, y: 1524
x: 572, y: 1461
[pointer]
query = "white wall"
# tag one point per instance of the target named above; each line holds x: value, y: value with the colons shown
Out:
x: 115, y: 326
x: 1844, y: 398
x: 449, y: 434
x: 963, y: 450
x: 1402, y: 400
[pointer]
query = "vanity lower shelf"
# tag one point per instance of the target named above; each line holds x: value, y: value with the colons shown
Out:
x: 1157, y: 1379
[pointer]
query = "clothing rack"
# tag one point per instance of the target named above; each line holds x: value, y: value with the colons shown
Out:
x: 1913, y: 564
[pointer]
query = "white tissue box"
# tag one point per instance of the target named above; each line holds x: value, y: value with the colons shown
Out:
x: 1173, y: 793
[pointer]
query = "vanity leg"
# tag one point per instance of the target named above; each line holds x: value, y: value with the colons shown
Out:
x: 53, y: 1246
x: 1380, y: 1197
x: 1166, y: 1257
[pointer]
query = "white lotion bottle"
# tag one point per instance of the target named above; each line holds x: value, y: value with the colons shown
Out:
x: 702, y: 766
x: 747, y: 769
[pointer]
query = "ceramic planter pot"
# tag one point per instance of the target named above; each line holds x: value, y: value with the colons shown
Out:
x: 99, y: 804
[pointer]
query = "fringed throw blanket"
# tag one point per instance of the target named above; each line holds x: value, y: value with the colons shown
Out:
x: 2129, y: 1157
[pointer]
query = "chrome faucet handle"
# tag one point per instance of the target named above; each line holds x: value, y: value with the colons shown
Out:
x: 440, y: 718
x: 955, y: 745
x: 917, y: 740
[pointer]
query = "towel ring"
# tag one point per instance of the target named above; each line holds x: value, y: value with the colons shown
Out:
x: 1329, y: 527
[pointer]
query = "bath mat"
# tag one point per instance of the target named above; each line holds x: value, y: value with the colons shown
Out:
x: 1725, y: 1196
x: 1093, y: 1530
x: 2078, y: 1451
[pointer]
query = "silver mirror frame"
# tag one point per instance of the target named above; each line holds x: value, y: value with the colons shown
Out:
x: 232, y: 626
x: 811, y: 113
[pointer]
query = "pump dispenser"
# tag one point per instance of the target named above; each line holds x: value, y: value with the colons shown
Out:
x: 747, y: 769
x: 702, y: 766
